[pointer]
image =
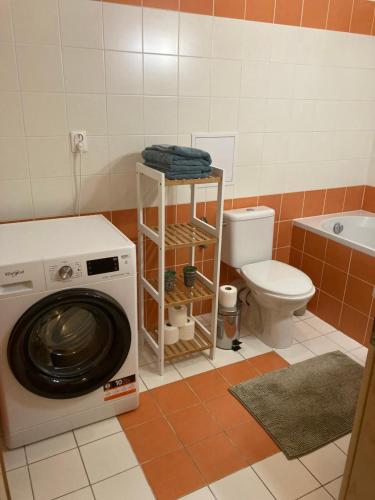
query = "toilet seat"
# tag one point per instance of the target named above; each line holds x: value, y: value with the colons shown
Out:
x: 278, y: 278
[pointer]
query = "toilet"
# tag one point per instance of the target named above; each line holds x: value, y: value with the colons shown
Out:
x: 277, y: 289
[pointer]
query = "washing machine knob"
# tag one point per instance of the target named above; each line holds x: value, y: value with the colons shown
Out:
x: 65, y: 272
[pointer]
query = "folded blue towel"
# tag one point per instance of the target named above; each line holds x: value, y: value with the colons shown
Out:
x: 179, y: 169
x: 196, y: 173
x: 172, y: 160
x: 184, y: 152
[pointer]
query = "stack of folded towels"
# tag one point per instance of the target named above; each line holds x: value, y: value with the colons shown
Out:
x: 178, y: 162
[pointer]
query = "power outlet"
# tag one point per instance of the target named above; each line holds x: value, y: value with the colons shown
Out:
x: 78, y: 141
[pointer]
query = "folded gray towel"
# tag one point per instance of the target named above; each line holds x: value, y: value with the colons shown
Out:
x: 195, y: 173
x: 173, y: 161
x: 184, y: 152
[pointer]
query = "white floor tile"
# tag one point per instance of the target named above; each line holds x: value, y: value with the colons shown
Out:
x: 295, y: 353
x: 84, y: 494
x: 14, y: 458
x: 319, y: 494
x: 151, y: 378
x: 304, y: 331
x: 225, y: 357
x: 97, y: 430
x: 49, y: 447
x: 343, y: 443
x: 307, y: 314
x: 58, y: 475
x: 142, y: 387
x: 326, y: 464
x: 355, y: 358
x: 19, y: 484
x: 146, y: 355
x: 286, y: 479
x: 251, y: 346
x: 344, y: 341
x: 322, y: 345
x: 320, y: 325
x: 242, y: 485
x: 193, y: 365
x: 130, y: 484
x: 107, y: 457
x: 202, y: 494
x: 334, y: 487
x: 361, y: 354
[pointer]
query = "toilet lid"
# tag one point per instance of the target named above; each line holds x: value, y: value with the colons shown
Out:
x: 276, y: 277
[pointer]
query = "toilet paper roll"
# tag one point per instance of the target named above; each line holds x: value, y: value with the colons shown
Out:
x: 171, y: 334
x: 187, y: 330
x: 177, y: 315
x: 228, y: 296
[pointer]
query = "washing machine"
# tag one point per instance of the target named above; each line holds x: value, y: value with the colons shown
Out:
x: 68, y: 326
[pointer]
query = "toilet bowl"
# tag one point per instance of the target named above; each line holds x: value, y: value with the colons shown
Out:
x: 277, y: 291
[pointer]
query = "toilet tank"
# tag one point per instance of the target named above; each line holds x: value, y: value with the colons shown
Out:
x: 247, y: 235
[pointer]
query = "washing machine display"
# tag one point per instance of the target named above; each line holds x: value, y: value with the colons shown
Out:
x: 69, y: 343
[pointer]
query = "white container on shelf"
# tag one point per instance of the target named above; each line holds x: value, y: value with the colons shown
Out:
x: 186, y: 331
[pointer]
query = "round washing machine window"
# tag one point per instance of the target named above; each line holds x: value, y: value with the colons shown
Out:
x: 69, y: 343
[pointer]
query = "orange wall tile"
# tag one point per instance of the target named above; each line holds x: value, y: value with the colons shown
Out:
x: 339, y: 15
x: 162, y: 4
x: 197, y: 6
x: 260, y: 10
x: 369, y: 199
x: 315, y: 13
x: 288, y: 12
x: 362, y: 17
x: 233, y: 8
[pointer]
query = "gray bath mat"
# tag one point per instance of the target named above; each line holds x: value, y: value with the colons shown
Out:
x: 307, y: 405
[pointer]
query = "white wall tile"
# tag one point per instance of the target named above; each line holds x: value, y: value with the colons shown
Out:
x: 6, y: 30
x: 40, y: 68
x: 13, y: 158
x: 16, y: 200
x: 95, y: 193
x: 227, y: 38
x: 255, y: 79
x: 194, y: 76
x: 124, y: 72
x: 36, y: 21
x: 96, y: 160
x: 276, y: 148
x: 53, y: 196
x: 250, y: 149
x: 195, y: 35
x: 160, y: 115
x: 8, y: 67
x: 225, y: 78
x: 123, y: 194
x: 125, y: 114
x: 87, y: 112
x: 160, y: 31
x: 81, y: 23
x: 193, y: 115
x: 83, y: 70
x: 281, y: 80
x: 257, y: 41
x: 224, y: 115
x: 124, y: 152
x: 122, y: 27
x: 11, y: 123
x: 44, y: 114
x: 246, y: 181
x: 49, y: 157
x: 252, y: 115
x: 160, y: 74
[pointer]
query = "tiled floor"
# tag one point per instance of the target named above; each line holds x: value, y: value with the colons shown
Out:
x: 189, y: 438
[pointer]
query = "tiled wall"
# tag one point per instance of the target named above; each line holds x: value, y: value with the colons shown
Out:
x: 344, y: 279
x: 355, y: 16
x: 302, y: 100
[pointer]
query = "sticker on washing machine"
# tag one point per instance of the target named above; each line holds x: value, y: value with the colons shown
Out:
x: 119, y: 388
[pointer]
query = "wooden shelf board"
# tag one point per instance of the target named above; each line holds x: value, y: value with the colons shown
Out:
x: 199, y: 343
x: 186, y: 235
x: 184, y: 295
x: 212, y: 179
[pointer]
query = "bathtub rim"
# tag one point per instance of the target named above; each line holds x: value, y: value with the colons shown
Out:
x: 313, y: 224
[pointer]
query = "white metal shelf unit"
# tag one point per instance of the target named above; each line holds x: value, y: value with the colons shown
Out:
x: 205, y: 338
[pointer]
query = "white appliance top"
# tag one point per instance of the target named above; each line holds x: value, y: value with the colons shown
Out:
x: 55, y: 238
x: 276, y: 277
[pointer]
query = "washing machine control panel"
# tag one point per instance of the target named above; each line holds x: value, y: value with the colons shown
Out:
x: 92, y: 268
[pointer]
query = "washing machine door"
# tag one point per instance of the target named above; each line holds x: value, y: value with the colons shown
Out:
x: 69, y: 343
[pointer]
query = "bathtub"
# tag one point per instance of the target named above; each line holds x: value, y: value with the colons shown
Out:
x: 353, y: 229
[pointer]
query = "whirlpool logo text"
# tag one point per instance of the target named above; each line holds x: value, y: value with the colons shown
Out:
x: 14, y: 274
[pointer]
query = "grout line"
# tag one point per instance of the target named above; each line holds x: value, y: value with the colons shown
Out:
x: 351, y: 17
